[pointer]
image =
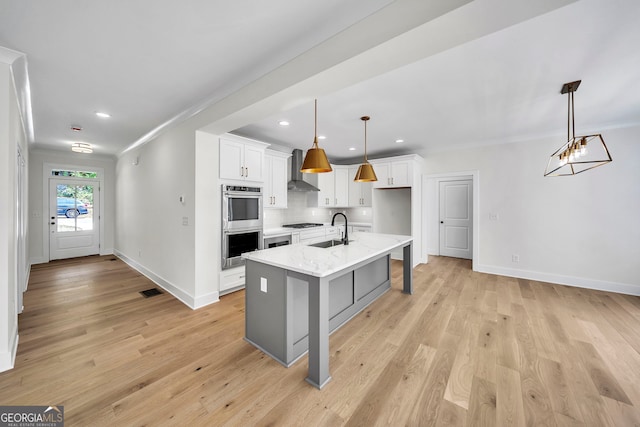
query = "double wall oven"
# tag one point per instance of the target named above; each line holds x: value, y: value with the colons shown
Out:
x: 241, y: 223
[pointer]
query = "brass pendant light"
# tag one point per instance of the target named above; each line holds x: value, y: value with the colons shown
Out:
x: 316, y: 160
x: 579, y: 153
x: 365, y: 171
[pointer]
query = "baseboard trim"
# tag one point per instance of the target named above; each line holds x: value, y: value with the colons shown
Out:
x: 184, y: 297
x: 204, y: 300
x: 8, y: 358
x: 580, y: 282
x: 39, y: 260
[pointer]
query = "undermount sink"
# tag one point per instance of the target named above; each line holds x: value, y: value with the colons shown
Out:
x: 327, y: 243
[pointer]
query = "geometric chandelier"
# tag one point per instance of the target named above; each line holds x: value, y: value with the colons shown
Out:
x: 579, y: 153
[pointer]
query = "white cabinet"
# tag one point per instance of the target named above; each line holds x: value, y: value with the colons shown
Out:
x: 326, y: 185
x: 242, y: 160
x: 341, y: 186
x: 334, y: 187
x: 275, y: 182
x: 393, y: 173
x: 359, y: 192
x: 232, y: 279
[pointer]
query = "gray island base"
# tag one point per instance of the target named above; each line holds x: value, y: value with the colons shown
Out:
x: 297, y: 295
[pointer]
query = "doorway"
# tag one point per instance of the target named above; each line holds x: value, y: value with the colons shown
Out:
x: 456, y: 218
x: 431, y: 210
x: 74, y: 206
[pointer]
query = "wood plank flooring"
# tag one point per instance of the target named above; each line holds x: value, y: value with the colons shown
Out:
x: 466, y: 349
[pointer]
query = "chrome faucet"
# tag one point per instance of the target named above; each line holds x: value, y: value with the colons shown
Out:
x: 345, y: 240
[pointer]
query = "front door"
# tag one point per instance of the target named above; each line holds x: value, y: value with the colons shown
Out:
x: 456, y: 219
x: 73, y: 218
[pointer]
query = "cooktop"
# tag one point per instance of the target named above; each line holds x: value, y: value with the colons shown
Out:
x: 303, y: 225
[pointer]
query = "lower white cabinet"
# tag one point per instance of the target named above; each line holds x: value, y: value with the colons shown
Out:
x: 232, y: 280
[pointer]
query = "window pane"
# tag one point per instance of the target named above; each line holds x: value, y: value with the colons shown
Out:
x: 75, y: 208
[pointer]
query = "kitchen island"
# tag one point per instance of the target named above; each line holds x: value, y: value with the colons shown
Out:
x: 296, y: 295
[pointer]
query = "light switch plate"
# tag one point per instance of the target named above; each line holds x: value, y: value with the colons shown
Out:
x: 263, y: 284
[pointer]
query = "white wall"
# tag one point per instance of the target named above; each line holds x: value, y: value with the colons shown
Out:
x: 150, y: 234
x: 12, y: 135
x: 38, y: 241
x: 581, y: 230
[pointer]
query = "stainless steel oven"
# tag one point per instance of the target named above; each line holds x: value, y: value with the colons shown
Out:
x: 241, y: 207
x: 241, y: 223
x: 237, y: 242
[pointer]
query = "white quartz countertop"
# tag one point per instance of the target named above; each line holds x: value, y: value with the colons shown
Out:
x: 321, y: 262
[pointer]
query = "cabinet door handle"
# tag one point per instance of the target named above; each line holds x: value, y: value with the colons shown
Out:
x: 246, y: 171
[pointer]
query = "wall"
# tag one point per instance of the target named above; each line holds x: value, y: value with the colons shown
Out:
x: 12, y: 135
x: 581, y: 230
x: 154, y: 231
x: 38, y: 242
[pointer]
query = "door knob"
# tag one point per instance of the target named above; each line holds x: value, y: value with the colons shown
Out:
x: 441, y: 222
x: 53, y: 223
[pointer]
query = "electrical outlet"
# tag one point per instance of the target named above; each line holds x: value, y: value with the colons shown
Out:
x: 515, y: 258
x: 493, y: 216
x: 185, y: 220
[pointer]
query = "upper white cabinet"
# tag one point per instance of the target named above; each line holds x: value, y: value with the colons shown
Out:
x: 334, y: 187
x: 393, y: 172
x: 275, y: 183
x: 359, y: 192
x: 341, y: 185
x: 242, y: 159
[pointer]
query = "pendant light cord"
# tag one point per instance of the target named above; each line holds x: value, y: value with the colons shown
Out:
x: 315, y: 125
x: 365, y: 142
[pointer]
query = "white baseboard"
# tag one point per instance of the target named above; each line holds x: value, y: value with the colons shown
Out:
x: 8, y: 358
x: 38, y: 260
x: 184, y: 297
x: 580, y: 282
x: 210, y: 298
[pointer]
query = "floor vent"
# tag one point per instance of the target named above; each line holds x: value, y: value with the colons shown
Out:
x: 151, y: 292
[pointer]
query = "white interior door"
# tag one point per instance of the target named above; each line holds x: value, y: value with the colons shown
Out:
x: 73, y: 218
x: 456, y: 218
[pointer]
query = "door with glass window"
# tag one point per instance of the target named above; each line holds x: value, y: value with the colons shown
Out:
x: 73, y: 218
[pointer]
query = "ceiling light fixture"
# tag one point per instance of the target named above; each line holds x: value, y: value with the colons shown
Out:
x: 103, y: 115
x: 81, y: 147
x: 579, y: 153
x: 365, y: 171
x: 399, y: 141
x: 316, y: 160
x: 284, y: 123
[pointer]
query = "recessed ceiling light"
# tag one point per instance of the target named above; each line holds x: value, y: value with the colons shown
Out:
x: 103, y: 115
x: 284, y: 123
x: 399, y: 141
x: 322, y: 137
x: 352, y: 148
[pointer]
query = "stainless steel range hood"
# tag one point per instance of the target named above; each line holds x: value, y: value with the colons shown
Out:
x: 297, y: 183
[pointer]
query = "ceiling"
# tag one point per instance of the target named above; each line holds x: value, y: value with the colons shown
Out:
x: 148, y: 62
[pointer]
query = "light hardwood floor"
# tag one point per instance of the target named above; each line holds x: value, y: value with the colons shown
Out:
x: 466, y: 349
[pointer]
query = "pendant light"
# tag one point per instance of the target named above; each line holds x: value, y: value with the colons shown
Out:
x: 365, y: 171
x: 316, y: 160
x: 579, y: 153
